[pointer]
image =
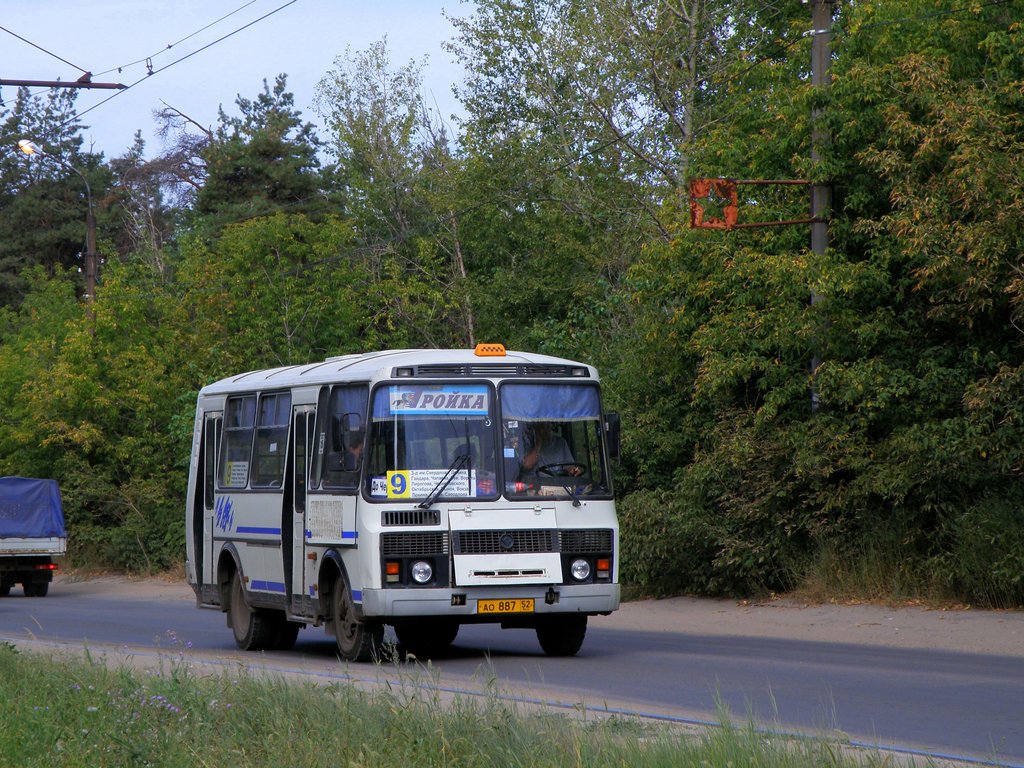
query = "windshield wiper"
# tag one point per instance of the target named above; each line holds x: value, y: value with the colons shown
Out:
x: 458, y: 463
x: 571, y: 490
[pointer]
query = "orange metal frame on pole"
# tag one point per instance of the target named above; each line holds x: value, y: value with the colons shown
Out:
x: 701, y: 189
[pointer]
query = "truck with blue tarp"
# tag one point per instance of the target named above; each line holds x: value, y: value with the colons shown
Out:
x: 32, y: 534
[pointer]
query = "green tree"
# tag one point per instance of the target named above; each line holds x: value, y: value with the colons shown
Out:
x: 43, y: 202
x: 260, y: 161
x: 395, y: 173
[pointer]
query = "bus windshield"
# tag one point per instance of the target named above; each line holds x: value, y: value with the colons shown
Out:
x: 441, y: 441
x: 552, y: 441
x: 420, y: 434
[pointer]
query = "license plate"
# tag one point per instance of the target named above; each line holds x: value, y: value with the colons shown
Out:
x: 517, y: 605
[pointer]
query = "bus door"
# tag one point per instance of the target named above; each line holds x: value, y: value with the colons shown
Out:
x: 202, y: 534
x: 303, y: 418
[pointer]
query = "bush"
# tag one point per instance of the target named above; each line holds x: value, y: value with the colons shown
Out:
x: 985, y: 560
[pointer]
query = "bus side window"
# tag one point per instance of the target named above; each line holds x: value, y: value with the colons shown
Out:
x: 271, y: 440
x: 239, y: 423
x: 344, y: 436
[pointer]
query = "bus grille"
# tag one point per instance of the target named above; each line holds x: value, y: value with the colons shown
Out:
x: 411, y: 517
x: 582, y: 541
x: 505, y: 542
x: 436, y: 370
x: 414, y: 544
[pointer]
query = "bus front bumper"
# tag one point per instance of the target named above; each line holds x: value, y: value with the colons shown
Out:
x: 462, y: 604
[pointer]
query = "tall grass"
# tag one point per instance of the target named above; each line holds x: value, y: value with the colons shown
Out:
x: 60, y: 711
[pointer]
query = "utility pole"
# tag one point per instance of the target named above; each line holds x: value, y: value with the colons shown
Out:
x: 821, y: 191
x: 724, y: 190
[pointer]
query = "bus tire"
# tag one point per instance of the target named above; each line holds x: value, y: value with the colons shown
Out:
x: 253, y: 629
x: 562, y: 635
x: 357, y: 640
x: 426, y: 637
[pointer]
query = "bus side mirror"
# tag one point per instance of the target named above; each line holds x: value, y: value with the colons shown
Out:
x: 353, y: 438
x: 612, y: 430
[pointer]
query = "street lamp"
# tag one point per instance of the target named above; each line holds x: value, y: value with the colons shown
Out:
x: 29, y: 148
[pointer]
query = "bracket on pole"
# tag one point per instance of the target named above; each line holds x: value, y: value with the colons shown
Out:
x: 725, y: 189
x: 84, y: 82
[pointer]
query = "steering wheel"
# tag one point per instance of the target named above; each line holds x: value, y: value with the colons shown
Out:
x: 562, y: 469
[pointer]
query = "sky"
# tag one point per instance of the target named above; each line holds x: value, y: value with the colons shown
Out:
x: 302, y: 40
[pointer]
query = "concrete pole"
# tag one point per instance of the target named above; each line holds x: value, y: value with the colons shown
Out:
x: 821, y: 192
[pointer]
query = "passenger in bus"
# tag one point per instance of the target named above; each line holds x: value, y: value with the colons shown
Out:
x: 544, y: 448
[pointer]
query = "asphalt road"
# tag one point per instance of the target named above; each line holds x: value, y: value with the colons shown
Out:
x: 962, y: 705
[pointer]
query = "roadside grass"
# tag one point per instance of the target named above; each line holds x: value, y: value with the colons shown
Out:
x: 73, y: 711
x: 878, y: 573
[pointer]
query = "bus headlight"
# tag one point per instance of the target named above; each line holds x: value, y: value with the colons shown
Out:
x: 580, y: 569
x: 422, y: 571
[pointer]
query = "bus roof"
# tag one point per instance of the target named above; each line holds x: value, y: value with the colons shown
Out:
x: 424, y: 363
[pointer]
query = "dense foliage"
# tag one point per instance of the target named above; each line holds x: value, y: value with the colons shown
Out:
x: 554, y: 218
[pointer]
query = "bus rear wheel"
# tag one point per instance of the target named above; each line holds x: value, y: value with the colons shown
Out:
x: 562, y: 635
x: 357, y: 640
x: 252, y: 629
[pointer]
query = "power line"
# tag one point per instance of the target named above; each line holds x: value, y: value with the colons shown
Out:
x: 48, y: 53
x: 178, y: 61
x: 169, y: 46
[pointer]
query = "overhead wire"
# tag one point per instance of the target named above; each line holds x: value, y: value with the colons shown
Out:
x: 148, y: 59
x: 169, y: 46
x: 39, y: 47
x: 177, y: 61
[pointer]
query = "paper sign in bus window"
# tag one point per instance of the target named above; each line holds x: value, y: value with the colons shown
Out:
x: 418, y: 483
x: 238, y: 471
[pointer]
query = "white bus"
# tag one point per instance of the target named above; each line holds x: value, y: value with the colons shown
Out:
x: 421, y: 489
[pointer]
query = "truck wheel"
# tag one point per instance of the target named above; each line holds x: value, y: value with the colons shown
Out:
x: 426, y: 638
x: 357, y: 640
x: 35, y: 588
x: 562, y: 635
x: 251, y: 627
x: 5, y: 588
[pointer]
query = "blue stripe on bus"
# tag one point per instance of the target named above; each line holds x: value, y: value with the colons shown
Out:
x: 257, y: 529
x: 345, y: 535
x: 268, y: 586
x: 357, y: 595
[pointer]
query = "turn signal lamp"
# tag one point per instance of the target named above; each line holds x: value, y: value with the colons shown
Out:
x: 489, y: 350
x: 604, y: 567
x: 391, y: 570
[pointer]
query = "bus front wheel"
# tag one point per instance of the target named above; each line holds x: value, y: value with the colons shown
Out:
x: 252, y: 630
x: 562, y: 635
x: 357, y: 640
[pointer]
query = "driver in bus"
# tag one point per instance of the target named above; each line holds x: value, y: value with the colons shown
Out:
x: 544, y: 448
